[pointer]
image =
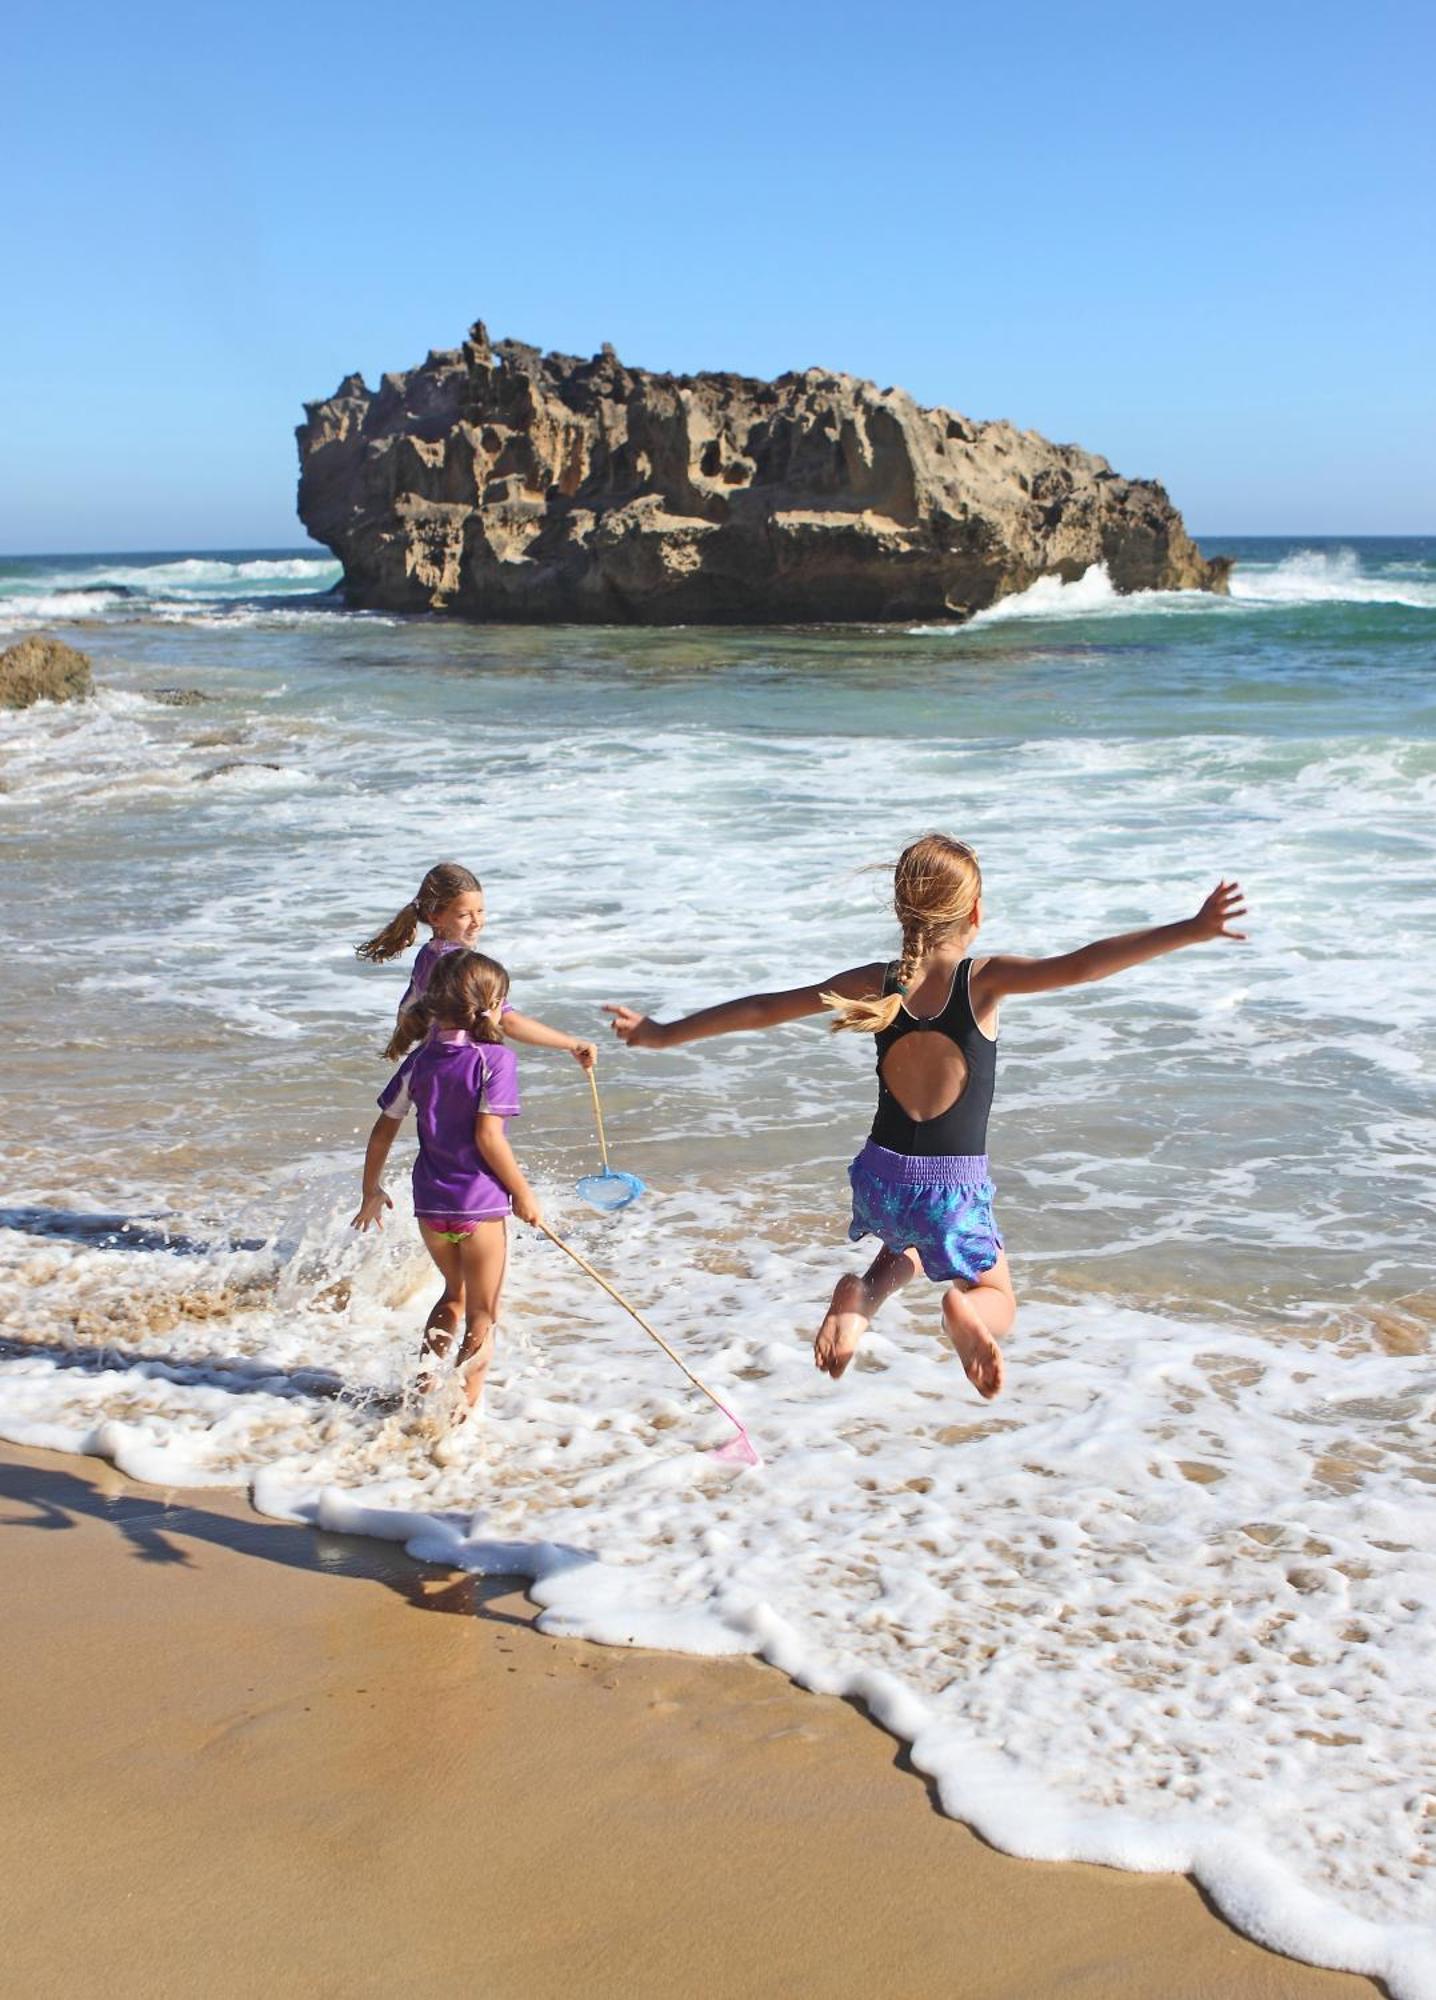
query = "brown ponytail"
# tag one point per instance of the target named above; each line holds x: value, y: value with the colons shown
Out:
x: 443, y: 883
x: 465, y: 990
x: 412, y: 1026
x: 936, y: 886
x: 397, y: 935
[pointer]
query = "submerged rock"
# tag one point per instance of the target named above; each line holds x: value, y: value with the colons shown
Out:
x: 177, y: 697
x: 501, y: 483
x: 233, y: 764
x: 39, y: 669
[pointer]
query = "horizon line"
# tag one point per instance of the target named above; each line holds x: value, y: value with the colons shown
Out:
x: 313, y: 548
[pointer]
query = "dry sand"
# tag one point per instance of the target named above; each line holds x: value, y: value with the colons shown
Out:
x: 244, y: 1759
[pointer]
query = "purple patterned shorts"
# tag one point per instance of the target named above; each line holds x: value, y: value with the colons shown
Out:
x: 940, y: 1207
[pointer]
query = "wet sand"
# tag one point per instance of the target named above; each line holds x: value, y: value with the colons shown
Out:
x: 241, y: 1758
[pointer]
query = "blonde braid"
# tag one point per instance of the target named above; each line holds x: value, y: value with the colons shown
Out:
x: 916, y: 943
x: 936, y: 886
x: 876, y: 1011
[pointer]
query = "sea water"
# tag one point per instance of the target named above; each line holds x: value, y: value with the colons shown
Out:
x: 1170, y: 1602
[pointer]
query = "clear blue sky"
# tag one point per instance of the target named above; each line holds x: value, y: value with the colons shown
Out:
x: 1196, y: 240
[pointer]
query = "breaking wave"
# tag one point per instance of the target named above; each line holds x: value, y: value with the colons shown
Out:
x: 1309, y: 577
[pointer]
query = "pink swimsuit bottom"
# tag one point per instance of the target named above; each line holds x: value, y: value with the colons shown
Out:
x: 454, y: 1228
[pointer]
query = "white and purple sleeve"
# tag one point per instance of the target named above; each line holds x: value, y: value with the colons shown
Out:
x: 394, y: 1099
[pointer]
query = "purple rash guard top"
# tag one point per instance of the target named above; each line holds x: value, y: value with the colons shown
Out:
x: 448, y: 1080
x: 429, y: 956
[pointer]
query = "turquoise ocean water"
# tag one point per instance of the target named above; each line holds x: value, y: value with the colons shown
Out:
x: 1171, y: 1602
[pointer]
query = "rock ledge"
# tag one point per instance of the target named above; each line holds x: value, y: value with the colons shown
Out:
x: 504, y: 484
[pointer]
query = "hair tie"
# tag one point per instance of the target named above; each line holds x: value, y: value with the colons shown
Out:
x: 902, y: 991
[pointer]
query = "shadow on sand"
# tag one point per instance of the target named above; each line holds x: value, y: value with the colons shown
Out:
x: 46, y: 1501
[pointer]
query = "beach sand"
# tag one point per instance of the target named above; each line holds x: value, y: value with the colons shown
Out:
x: 243, y: 1758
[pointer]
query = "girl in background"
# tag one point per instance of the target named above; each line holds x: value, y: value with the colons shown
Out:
x: 450, y: 901
x: 462, y: 1084
x: 921, y: 1184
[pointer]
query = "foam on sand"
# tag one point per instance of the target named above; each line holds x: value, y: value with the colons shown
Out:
x: 1165, y: 1607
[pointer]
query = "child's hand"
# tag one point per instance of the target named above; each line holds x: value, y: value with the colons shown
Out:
x: 371, y: 1209
x: 639, y: 1031
x: 585, y: 1054
x: 1215, y: 917
x: 526, y: 1208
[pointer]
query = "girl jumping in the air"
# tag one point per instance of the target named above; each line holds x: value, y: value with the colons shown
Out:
x: 921, y: 1183
x: 450, y: 901
x: 463, y: 1085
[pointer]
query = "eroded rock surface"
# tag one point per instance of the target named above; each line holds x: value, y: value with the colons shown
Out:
x: 39, y: 669
x: 501, y: 483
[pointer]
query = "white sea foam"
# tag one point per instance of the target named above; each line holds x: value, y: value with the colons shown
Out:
x: 204, y: 575
x: 121, y: 745
x: 22, y: 613
x: 189, y: 588
x: 1176, y: 1586
x: 1091, y: 595
x: 1309, y: 577
x: 1051, y: 597
x: 218, y: 617
x: 1140, y: 1609
x: 1327, y: 576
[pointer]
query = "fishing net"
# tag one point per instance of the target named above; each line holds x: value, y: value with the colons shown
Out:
x: 610, y: 1190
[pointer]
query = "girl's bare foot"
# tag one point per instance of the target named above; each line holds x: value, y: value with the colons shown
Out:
x: 844, y: 1326
x: 979, y: 1353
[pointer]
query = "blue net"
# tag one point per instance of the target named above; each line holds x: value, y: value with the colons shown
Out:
x: 609, y: 1190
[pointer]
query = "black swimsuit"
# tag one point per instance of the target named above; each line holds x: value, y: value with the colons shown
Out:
x: 962, y: 1128
x: 922, y: 1183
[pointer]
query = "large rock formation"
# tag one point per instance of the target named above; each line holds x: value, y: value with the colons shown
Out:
x: 39, y: 669
x: 501, y: 483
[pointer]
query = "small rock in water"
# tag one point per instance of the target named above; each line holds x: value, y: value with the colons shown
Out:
x: 234, y: 764
x: 177, y: 697
x: 38, y: 669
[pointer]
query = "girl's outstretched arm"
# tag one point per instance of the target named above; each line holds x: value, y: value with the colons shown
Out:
x: 520, y: 1028
x: 995, y: 978
x: 376, y: 1155
x: 753, y: 1010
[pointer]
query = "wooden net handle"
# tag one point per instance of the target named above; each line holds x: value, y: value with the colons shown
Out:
x: 651, y: 1331
x: 602, y: 1142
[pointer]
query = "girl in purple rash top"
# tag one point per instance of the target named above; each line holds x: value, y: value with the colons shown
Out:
x: 462, y: 1084
x: 450, y: 901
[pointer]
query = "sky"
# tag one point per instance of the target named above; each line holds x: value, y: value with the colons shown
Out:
x: 1196, y: 241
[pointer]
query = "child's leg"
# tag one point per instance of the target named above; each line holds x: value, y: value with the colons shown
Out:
x: 974, y: 1317
x: 855, y: 1300
x: 485, y: 1259
x: 443, y: 1321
